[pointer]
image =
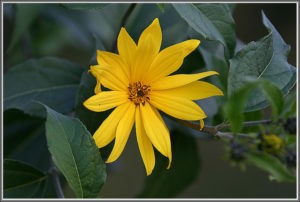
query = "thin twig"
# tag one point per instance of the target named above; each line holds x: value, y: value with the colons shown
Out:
x: 123, y: 22
x: 56, y: 180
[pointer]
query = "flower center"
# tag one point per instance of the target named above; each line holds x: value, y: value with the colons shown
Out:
x: 139, y: 93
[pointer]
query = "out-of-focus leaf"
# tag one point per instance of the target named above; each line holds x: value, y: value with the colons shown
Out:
x: 161, y: 6
x: 21, y: 180
x: 25, y: 15
x: 185, y: 166
x: 290, y: 105
x: 84, y: 6
x: 264, y: 59
x: 234, y: 108
x: 212, y: 21
x: 272, y: 165
x: 274, y: 96
x: 24, y: 139
x: 49, y: 80
x: 75, y: 154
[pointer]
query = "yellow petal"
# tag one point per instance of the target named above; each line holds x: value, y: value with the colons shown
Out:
x: 106, y: 100
x: 144, y: 143
x: 107, y: 131
x: 116, y: 65
x: 156, y: 130
x: 201, y: 124
x: 110, y: 80
x: 194, y: 91
x: 126, y: 47
x: 122, y: 133
x: 177, y: 107
x: 179, y: 80
x: 97, y: 87
x: 170, y: 59
x: 144, y: 56
x: 154, y: 31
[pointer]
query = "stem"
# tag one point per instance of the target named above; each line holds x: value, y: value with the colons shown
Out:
x: 123, y: 22
x: 215, y: 130
x: 56, y: 180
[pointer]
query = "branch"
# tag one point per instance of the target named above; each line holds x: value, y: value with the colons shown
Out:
x: 56, y: 180
x: 123, y: 22
x: 215, y: 130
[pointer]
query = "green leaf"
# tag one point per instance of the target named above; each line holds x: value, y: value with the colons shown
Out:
x: 75, y: 154
x: 91, y: 120
x: 25, y: 15
x: 21, y: 180
x: 264, y: 59
x: 214, y: 22
x: 274, y: 95
x: 290, y: 105
x: 184, y: 169
x: 161, y: 6
x: 49, y: 80
x: 234, y: 108
x: 272, y: 165
x: 84, y: 6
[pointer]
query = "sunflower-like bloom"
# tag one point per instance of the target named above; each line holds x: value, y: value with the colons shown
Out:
x: 139, y: 83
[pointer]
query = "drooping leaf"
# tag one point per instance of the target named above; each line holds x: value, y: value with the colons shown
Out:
x: 214, y: 22
x: 75, y: 154
x: 274, y: 97
x: 25, y: 15
x: 49, y: 80
x: 272, y: 165
x: 21, y: 180
x: 84, y: 6
x: 264, y: 59
x: 185, y: 166
x: 161, y: 6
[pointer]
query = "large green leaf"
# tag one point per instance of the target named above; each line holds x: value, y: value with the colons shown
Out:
x: 49, y: 80
x: 84, y: 6
x: 75, y: 154
x: 212, y: 21
x: 25, y: 15
x: 264, y: 59
x: 272, y: 165
x: 185, y: 166
x: 21, y: 180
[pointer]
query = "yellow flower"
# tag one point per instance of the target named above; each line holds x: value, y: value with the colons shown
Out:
x: 139, y: 83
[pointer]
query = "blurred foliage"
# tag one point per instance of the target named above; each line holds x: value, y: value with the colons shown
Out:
x: 252, y: 76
